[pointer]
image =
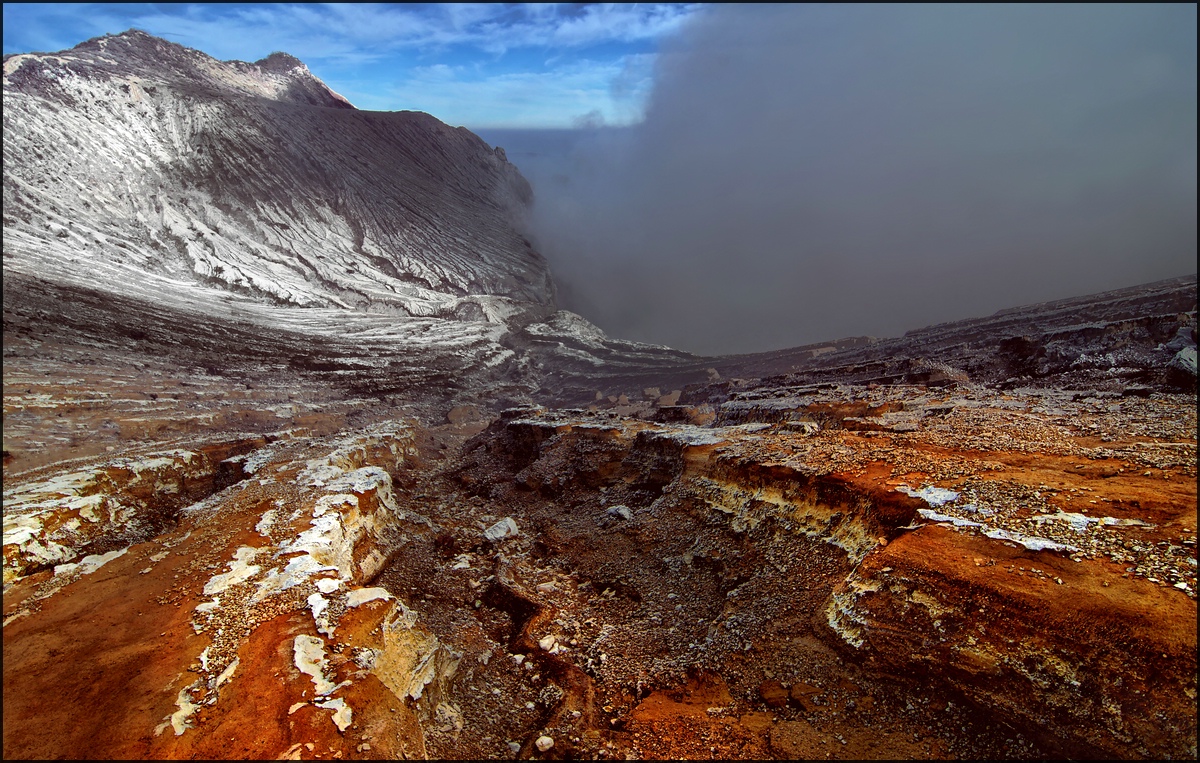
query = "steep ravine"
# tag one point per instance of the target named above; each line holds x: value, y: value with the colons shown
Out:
x: 714, y: 559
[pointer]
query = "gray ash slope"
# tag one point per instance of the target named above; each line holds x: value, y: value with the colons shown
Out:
x: 245, y: 220
x: 148, y: 185
x: 130, y: 153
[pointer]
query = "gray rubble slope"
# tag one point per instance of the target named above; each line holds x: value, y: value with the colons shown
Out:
x: 1138, y: 336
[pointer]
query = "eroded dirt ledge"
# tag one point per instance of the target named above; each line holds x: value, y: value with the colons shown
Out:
x: 991, y: 574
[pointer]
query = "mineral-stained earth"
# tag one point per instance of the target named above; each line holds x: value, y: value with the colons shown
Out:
x: 328, y: 475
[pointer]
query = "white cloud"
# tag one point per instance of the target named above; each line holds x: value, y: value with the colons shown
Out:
x: 336, y: 29
x: 461, y: 95
x: 623, y: 22
x: 366, y: 51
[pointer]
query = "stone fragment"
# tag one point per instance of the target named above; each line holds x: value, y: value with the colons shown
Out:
x: 620, y: 512
x: 448, y: 718
x: 1185, y: 360
x: 360, y: 596
x: 505, y: 528
x: 803, y: 694
x: 804, y: 427
x: 773, y: 693
x: 544, y: 743
x: 411, y: 657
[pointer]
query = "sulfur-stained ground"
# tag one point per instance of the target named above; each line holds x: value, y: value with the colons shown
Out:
x: 756, y: 589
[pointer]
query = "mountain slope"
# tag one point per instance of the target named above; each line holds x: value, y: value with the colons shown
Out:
x: 132, y: 159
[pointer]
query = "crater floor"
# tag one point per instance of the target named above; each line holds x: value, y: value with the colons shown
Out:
x: 853, y: 571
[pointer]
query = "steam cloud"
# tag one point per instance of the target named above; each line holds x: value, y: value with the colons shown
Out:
x: 807, y: 173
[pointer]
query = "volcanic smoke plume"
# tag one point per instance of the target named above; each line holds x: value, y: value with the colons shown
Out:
x: 806, y: 173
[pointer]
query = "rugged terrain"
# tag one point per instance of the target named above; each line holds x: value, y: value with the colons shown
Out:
x: 302, y: 461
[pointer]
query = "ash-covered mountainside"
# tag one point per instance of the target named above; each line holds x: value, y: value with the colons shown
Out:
x: 244, y: 219
x: 135, y: 164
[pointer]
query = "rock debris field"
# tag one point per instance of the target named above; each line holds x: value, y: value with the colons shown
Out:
x: 584, y: 584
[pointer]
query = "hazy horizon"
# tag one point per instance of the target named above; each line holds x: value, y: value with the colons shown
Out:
x: 810, y: 173
x: 791, y: 173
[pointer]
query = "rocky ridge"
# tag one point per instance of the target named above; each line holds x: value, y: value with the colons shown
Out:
x: 250, y: 178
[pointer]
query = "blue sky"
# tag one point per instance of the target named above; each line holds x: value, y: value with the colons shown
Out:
x: 480, y: 65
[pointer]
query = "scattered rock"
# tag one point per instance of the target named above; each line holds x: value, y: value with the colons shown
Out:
x: 794, y: 740
x: 505, y: 528
x: 620, y: 511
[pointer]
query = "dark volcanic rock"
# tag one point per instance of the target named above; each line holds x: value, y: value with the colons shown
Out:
x: 1102, y: 341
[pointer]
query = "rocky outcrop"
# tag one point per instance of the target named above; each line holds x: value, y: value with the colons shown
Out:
x: 100, y: 509
x: 1055, y: 602
x: 229, y: 616
x: 1095, y: 661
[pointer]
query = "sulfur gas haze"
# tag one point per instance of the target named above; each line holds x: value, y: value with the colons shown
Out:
x: 806, y: 173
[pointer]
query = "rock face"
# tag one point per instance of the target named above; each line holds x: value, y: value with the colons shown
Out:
x: 289, y: 472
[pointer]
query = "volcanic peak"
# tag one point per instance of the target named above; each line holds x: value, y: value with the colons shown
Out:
x: 139, y: 55
x: 253, y: 178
